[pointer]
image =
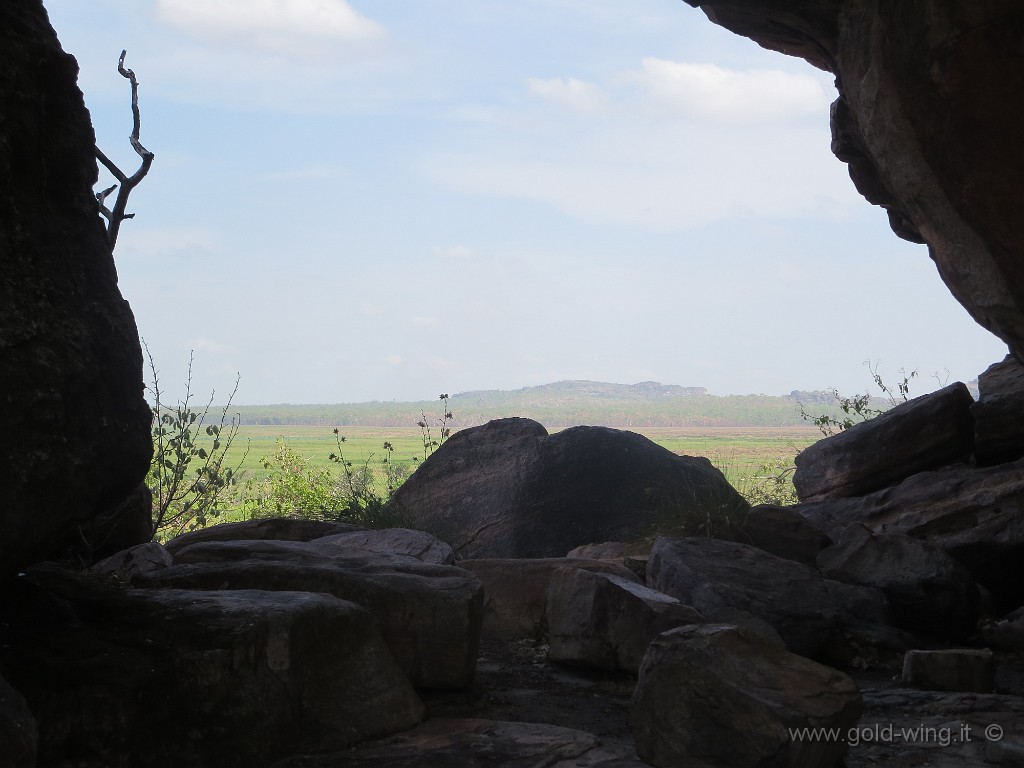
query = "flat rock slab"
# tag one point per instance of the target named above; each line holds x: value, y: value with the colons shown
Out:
x: 275, y: 528
x: 394, y: 548
x: 907, y: 728
x: 169, y: 678
x: 473, y: 743
x: 920, y: 434
x: 429, y: 615
x: 388, y: 541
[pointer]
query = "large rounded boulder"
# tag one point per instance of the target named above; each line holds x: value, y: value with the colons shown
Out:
x: 509, y: 489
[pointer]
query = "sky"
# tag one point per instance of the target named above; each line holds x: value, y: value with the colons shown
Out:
x: 391, y: 199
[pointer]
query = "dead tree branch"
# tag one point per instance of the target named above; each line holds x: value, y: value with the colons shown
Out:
x: 127, y: 183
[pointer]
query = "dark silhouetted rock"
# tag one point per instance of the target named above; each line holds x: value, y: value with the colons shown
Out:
x: 928, y: 590
x: 633, y: 555
x: 271, y: 528
x: 18, y: 731
x: 999, y: 414
x: 612, y: 550
x: 474, y: 743
x: 123, y: 526
x: 136, y: 677
x: 75, y: 438
x: 922, y: 121
x: 808, y: 611
x: 516, y: 591
x: 924, y: 433
x: 145, y: 558
x: 717, y: 695
x: 950, y: 670
x: 389, y: 541
x: 508, y: 489
x: 976, y: 515
x: 605, y: 621
x: 430, y: 615
x: 1008, y: 633
x: 782, y: 532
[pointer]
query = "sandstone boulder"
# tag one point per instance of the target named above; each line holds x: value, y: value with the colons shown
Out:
x: 976, y: 515
x: 129, y: 677
x: 924, y: 433
x: 429, y: 615
x: 270, y: 528
x: 612, y: 550
x: 75, y: 438
x: 928, y: 590
x: 395, y: 545
x: 145, y: 558
x: 18, y: 731
x: 718, y: 696
x: 516, y: 592
x: 390, y: 541
x: 809, y: 612
x: 508, y: 489
x: 605, y: 621
x: 783, y: 532
x: 999, y: 414
x: 633, y: 555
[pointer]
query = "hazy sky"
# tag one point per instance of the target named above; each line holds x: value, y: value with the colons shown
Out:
x: 389, y: 199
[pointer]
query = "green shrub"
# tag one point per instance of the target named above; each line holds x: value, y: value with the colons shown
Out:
x: 859, y: 407
x: 189, y: 475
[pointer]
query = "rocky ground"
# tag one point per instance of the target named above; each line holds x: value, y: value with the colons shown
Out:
x: 900, y: 728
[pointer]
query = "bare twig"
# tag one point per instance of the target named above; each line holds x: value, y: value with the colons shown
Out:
x: 127, y: 183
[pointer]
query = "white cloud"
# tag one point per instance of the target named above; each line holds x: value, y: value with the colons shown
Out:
x: 393, y: 359
x: 569, y: 92
x: 673, y: 147
x: 712, y: 92
x: 270, y: 23
x: 667, y: 179
x: 425, y: 321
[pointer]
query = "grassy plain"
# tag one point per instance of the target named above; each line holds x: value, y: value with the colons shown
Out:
x: 737, y: 451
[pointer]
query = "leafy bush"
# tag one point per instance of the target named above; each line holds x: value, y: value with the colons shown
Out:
x: 859, y: 407
x: 358, y: 493
x: 189, y: 474
x: 292, y: 488
x: 772, y: 483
